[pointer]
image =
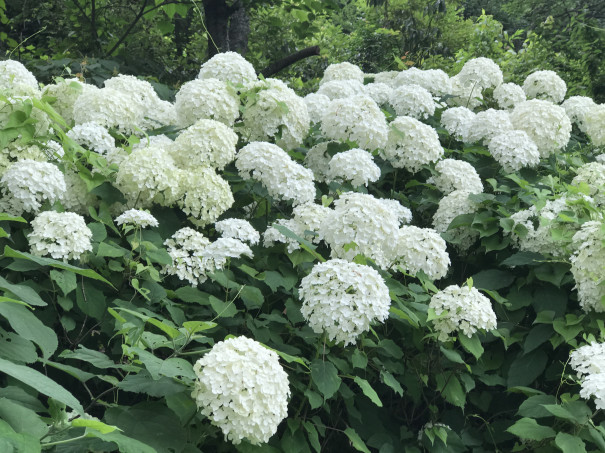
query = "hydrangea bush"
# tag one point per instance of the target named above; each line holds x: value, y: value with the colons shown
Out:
x: 407, y: 261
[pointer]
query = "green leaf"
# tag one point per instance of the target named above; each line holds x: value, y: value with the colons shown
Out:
x: 15, y: 348
x: 23, y: 292
x: 125, y: 444
x: 253, y: 297
x: 65, y: 280
x: 570, y: 444
x: 79, y: 374
x: 173, y: 367
x: 452, y: 355
x: 575, y: 411
x: 107, y: 250
x: 192, y: 295
x: 95, y: 358
x: 142, y: 382
x: 182, y: 405
x: 94, y: 424
x: 12, y: 442
x: 28, y: 326
x: 523, y: 259
x: 528, y: 428
x: 471, y: 344
x: 22, y: 419
x: 359, y: 359
x: 493, y: 279
x: 451, y: 389
x: 533, y: 406
x: 356, y: 441
x: 315, y: 399
x: 171, y: 331
x: 10, y: 253
x: 368, y: 391
x: 222, y: 309
x: 390, y: 380
x: 325, y: 376
x: 526, y: 368
x: 41, y: 383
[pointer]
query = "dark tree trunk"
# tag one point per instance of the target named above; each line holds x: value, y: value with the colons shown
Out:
x: 216, y: 16
x: 239, y: 29
x: 182, y: 31
x: 278, y: 65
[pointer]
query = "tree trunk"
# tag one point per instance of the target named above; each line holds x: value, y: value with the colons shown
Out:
x: 239, y: 29
x: 216, y: 16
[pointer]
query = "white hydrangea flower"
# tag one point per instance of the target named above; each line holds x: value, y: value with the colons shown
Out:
x: 386, y: 77
x: 342, y: 299
x: 587, y: 265
x: 538, y: 223
x: 215, y: 255
x: 27, y: 184
x: 357, y: 119
x: 451, y: 206
x: 545, y: 85
x: 456, y: 175
x: 588, y: 359
x: 593, y: 175
x: 185, y: 248
x: 76, y: 197
x: 577, y: 108
x: 206, y: 143
x: 283, y: 178
x: 594, y: 124
x: 276, y: 112
x: 272, y: 235
x: 158, y: 141
x: 342, y: 71
x: 421, y: 249
x: 206, y: 195
x: 457, y: 120
x: 463, y: 95
x: 467, y: 311
x: 16, y: 151
x: 355, y: 165
x: 242, y: 389
x: 17, y: 80
x: 436, y: 81
x: 546, y: 124
x: 110, y: 108
x: 403, y: 214
x: 365, y: 221
x: 53, y: 149
x: 412, y: 100
x: 514, y: 150
x: 317, y: 160
x: 487, y: 124
x: 508, y: 95
x: 594, y: 385
x: 228, y: 67
x: 238, y: 229
x: 380, y: 93
x: 341, y: 89
x: 480, y: 72
x: 149, y: 175
x: 206, y: 99
x: 138, y: 218
x: 411, y: 144
x: 316, y: 105
x: 92, y: 136
x: 601, y: 158
x: 65, y: 93
x: 62, y: 235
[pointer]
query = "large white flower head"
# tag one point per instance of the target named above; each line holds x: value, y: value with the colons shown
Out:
x: 65, y: 93
x: 412, y: 100
x: 27, y: 184
x: 588, y: 359
x: 206, y: 99
x: 76, y: 197
x: 545, y: 85
x: 275, y: 111
x: 466, y: 310
x: 215, y: 255
x: 206, y: 143
x: 457, y: 120
x: 365, y: 221
x: 342, y: 71
x: 16, y: 151
x: 185, y: 248
x: 306, y: 223
x: 546, y: 124
x: 593, y: 175
x: 316, y: 105
x: 463, y: 95
x: 577, y: 108
x: 206, y: 195
x: 242, y: 389
x: 411, y: 144
x: 436, y: 81
x: 17, y: 80
x: 587, y: 265
x: 137, y: 218
x: 386, y: 77
x: 149, y: 175
x: 317, y: 160
x: 93, y: 137
x: 480, y: 72
x: 228, y: 67
x: 161, y: 141
x: 355, y: 165
x: 357, y: 119
x: 342, y: 299
x: 514, y: 150
x: 272, y: 235
x: 451, y: 206
x: 487, y: 124
x: 594, y: 124
x: 341, y: 89
x: 108, y: 107
x: 421, y: 249
x: 62, y: 235
x: 594, y: 385
x: 508, y: 95
x: 283, y: 178
x: 538, y: 224
x: 379, y: 92
x: 455, y: 174
x: 238, y: 229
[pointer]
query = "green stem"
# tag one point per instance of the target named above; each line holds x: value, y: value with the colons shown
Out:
x: 60, y: 442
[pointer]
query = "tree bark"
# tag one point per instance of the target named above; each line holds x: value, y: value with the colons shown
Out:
x: 277, y: 66
x: 239, y: 29
x: 216, y: 16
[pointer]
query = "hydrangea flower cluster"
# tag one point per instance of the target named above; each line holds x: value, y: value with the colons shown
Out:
x: 206, y: 99
x: 593, y: 125
x: 593, y: 175
x: 342, y: 71
x: 66, y: 92
x: 242, y: 389
x: 228, y: 67
x: 216, y: 254
x: 486, y: 125
x: 355, y: 165
x: 62, y: 235
x: 271, y: 165
x: 138, y: 218
x: 455, y: 174
x: 316, y: 105
x: 318, y: 159
x: 464, y: 309
x: 480, y: 72
x: 17, y: 80
x: 380, y: 93
x: 421, y: 249
x: 206, y: 195
x: 587, y: 265
x: 456, y: 120
x: 451, y: 206
x: 185, y: 247
x: 577, y: 107
x: 238, y: 229
x: 588, y: 362
x: 307, y: 217
x: 342, y: 299
x: 92, y: 136
x: 464, y: 95
x: 545, y: 85
x: 508, y: 95
x: 436, y: 81
x: 412, y: 100
x: 341, y: 89
x: 514, y: 150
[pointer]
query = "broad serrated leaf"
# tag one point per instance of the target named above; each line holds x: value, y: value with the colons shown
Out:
x: 325, y: 376
x: 28, y: 326
x: 368, y: 391
x: 529, y: 429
